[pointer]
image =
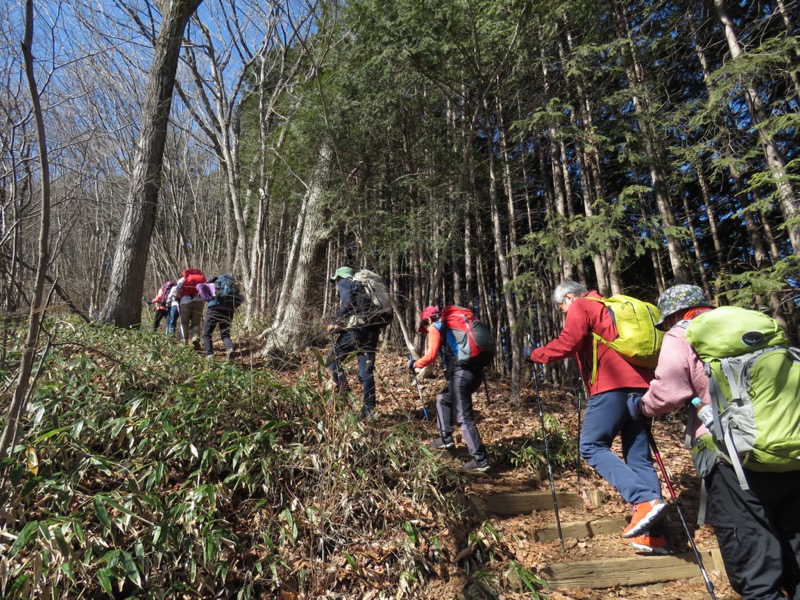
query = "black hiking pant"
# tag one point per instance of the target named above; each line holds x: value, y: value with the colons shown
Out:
x: 363, y: 342
x: 758, y: 531
x: 160, y: 314
x: 217, y: 317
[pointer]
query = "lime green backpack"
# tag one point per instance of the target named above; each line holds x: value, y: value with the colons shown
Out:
x: 638, y: 341
x: 754, y: 381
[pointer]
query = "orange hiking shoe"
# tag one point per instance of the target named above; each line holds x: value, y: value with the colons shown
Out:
x: 652, y: 544
x: 644, y: 515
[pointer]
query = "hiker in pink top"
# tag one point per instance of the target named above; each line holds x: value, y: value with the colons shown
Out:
x: 758, y: 530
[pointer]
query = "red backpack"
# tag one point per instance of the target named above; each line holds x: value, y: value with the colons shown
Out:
x: 471, y: 341
x: 191, y: 279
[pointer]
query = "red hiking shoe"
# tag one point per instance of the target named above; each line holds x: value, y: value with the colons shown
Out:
x: 652, y: 544
x: 644, y: 515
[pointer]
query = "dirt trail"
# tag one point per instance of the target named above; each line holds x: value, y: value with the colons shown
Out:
x: 505, y: 426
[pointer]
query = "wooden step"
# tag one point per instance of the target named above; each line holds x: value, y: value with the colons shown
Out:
x: 580, y: 529
x: 636, y: 570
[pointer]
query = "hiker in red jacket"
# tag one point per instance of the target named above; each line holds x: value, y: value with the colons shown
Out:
x: 607, y: 412
x: 160, y: 302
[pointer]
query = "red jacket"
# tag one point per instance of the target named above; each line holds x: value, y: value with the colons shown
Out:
x: 613, y: 372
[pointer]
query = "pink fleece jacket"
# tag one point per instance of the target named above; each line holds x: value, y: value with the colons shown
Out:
x: 680, y: 376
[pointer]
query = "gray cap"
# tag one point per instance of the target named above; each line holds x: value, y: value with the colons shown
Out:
x: 679, y: 297
x: 342, y: 272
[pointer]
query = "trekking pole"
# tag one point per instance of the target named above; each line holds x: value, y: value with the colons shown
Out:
x: 651, y: 440
x: 419, y: 390
x: 547, y: 455
x: 581, y: 392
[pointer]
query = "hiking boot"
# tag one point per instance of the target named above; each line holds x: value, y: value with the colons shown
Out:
x: 644, y: 514
x: 229, y: 353
x: 442, y: 443
x: 473, y: 466
x: 196, y: 343
x: 367, y: 413
x: 652, y: 544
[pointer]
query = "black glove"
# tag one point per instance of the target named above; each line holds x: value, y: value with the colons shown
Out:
x: 635, y: 405
x: 149, y: 302
x: 411, y: 363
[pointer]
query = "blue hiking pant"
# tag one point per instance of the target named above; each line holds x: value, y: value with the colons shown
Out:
x: 454, y: 405
x: 174, y: 318
x: 363, y: 342
x: 606, y: 417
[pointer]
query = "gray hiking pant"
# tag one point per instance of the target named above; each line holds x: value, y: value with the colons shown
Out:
x: 454, y: 405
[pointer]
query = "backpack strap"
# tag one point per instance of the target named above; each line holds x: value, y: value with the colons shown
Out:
x: 718, y: 400
x: 701, y: 510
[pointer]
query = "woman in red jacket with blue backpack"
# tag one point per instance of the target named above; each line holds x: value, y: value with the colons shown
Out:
x: 454, y: 402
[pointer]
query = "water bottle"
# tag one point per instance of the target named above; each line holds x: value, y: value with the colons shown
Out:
x: 705, y: 413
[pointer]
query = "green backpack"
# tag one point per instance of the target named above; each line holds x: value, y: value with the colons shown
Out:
x: 754, y: 382
x: 638, y: 342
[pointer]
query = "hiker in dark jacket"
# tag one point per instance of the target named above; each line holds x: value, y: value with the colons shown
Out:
x: 218, y: 314
x: 758, y: 530
x: 352, y: 337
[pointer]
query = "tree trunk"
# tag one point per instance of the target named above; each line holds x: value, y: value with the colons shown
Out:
x: 774, y: 158
x: 513, y: 337
x: 122, y: 307
x: 641, y: 104
x: 305, y: 269
x: 18, y: 402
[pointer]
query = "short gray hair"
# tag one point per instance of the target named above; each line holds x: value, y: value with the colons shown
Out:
x: 568, y: 287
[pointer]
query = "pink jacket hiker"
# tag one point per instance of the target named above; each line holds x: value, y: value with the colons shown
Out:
x: 680, y: 376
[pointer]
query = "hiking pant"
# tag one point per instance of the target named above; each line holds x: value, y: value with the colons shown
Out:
x: 758, y: 530
x: 191, y: 319
x: 606, y: 417
x: 214, y: 317
x: 362, y: 341
x: 454, y: 405
x: 160, y: 314
x: 174, y: 318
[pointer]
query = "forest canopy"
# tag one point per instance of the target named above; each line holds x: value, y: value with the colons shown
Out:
x: 471, y: 152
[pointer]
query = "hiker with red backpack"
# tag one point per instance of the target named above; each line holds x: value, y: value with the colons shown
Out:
x: 609, y: 378
x: 160, y: 303
x: 190, y: 303
x: 464, y: 364
x: 752, y: 503
x: 354, y: 334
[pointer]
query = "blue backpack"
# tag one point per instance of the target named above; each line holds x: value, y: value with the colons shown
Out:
x: 227, y: 294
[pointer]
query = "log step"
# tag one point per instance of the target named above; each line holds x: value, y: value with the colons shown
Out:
x: 636, y: 570
x: 580, y: 529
